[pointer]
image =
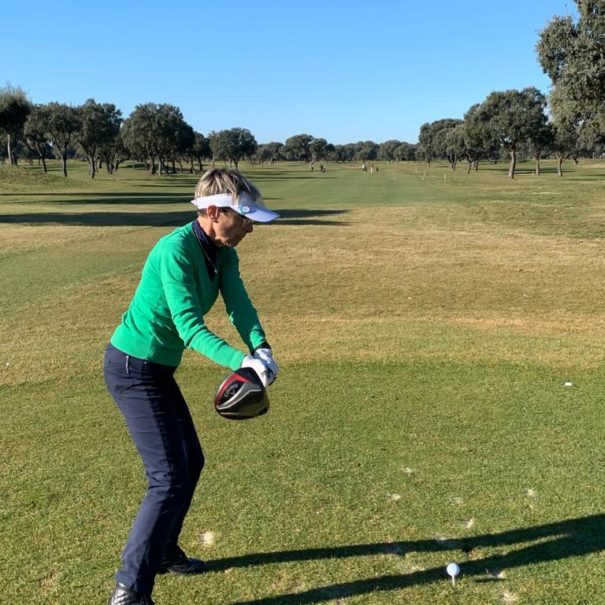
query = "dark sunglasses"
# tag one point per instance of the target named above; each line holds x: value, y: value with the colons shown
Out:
x: 245, y: 219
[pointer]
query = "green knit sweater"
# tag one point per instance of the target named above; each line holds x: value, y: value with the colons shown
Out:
x: 166, y: 314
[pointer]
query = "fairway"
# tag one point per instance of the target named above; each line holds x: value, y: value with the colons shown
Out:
x: 441, y: 342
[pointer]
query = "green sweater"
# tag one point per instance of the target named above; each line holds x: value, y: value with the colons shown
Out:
x: 166, y: 314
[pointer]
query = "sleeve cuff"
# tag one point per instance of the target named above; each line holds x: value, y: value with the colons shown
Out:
x: 262, y: 345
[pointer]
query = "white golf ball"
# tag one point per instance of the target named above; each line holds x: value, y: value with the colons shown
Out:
x: 453, y: 569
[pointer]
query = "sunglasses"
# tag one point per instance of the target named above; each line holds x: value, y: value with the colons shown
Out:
x: 245, y: 220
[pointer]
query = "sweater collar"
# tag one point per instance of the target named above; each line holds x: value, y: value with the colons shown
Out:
x: 209, y: 248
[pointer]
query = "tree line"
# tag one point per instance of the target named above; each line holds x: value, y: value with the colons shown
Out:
x: 569, y: 123
x: 156, y: 134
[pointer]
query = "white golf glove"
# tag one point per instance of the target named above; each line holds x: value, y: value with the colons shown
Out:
x: 266, y: 356
x: 265, y: 375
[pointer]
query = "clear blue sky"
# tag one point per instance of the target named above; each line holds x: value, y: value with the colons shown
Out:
x: 344, y: 70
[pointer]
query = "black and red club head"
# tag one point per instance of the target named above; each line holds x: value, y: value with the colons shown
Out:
x: 241, y: 396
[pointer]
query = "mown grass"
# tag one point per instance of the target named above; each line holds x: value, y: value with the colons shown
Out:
x: 426, y: 323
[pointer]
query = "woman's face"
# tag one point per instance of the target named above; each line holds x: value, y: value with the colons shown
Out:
x: 230, y: 228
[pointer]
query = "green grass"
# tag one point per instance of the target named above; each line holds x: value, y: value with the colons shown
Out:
x: 425, y: 322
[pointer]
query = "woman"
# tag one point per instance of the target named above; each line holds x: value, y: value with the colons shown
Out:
x: 180, y: 282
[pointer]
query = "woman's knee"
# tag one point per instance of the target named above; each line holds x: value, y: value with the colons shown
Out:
x: 171, y: 486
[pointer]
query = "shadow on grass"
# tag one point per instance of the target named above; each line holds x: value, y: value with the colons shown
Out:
x: 108, y: 198
x: 570, y: 538
x: 100, y: 219
x: 308, y: 217
x: 526, y: 171
x: 259, y: 177
x: 94, y: 194
x: 549, y: 170
x: 154, y: 219
x: 584, y: 177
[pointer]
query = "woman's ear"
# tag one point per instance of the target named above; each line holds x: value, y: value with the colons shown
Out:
x: 213, y: 212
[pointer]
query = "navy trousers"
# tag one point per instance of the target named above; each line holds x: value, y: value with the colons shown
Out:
x: 161, y: 427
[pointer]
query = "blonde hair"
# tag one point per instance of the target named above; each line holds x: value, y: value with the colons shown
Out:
x: 226, y: 180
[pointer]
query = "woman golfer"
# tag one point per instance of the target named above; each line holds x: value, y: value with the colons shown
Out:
x: 181, y: 280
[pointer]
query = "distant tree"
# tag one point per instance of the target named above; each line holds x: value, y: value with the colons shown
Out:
x: 139, y: 134
x: 319, y: 149
x: 454, y: 143
x: 425, y: 150
x: 564, y: 141
x: 232, y: 145
x: 388, y: 149
x: 344, y: 153
x: 298, y: 148
x: 269, y: 152
x: 184, y: 142
x: 513, y: 116
x: 366, y: 151
x: 113, y: 153
x: 444, y: 146
x: 422, y: 154
x: 63, y: 126
x: 540, y: 141
x: 14, y: 109
x: 480, y: 141
x: 170, y: 135
x: 157, y: 132
x: 405, y: 152
x: 99, y: 126
x: 35, y: 134
x: 434, y: 143
x: 200, y: 150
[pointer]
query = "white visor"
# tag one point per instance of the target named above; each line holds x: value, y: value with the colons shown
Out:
x: 243, y: 205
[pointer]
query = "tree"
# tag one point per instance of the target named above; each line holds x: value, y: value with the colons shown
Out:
x: 14, y: 109
x: 444, y: 146
x: 480, y: 141
x: 184, y: 141
x: 564, y: 141
x: 138, y: 134
x: 200, y: 150
x: 35, y: 133
x: 513, y: 116
x: 388, y: 150
x: 233, y: 144
x: 170, y: 134
x: 425, y: 150
x: 113, y: 153
x: 157, y: 132
x: 99, y: 126
x: 591, y: 138
x: 366, y: 151
x: 540, y: 142
x: 573, y: 56
x: 405, y: 152
x: 269, y: 152
x: 434, y: 143
x: 298, y: 148
x: 455, y: 144
x: 319, y: 149
x: 344, y: 153
x: 63, y: 126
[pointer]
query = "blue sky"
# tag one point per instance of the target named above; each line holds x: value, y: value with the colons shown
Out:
x: 346, y: 71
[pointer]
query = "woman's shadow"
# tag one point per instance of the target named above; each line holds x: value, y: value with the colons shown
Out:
x: 569, y: 538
